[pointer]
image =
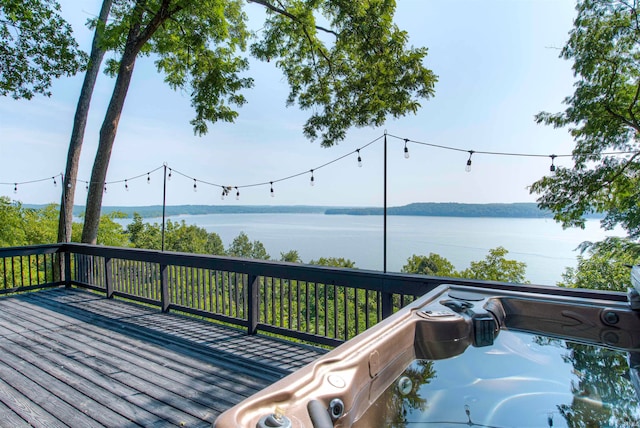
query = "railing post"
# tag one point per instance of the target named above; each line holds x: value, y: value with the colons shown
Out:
x: 165, y: 299
x: 66, y: 259
x: 253, y: 303
x: 387, y: 301
x: 108, y: 277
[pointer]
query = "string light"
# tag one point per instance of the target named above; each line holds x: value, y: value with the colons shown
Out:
x: 55, y: 183
x: 126, y: 186
x: 237, y: 194
x: 552, y: 167
x: 225, y: 191
x: 468, y: 166
x: 439, y: 146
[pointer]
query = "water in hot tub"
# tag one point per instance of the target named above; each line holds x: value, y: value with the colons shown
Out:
x: 521, y: 381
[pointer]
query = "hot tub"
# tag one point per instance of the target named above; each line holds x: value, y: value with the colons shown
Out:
x: 469, y: 356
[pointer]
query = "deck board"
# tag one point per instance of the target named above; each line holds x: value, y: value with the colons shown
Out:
x: 12, y: 418
x: 74, y: 358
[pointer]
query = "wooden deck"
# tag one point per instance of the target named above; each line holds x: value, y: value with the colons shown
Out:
x: 74, y: 358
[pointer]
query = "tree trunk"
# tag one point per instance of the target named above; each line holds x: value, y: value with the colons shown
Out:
x: 136, y: 39
x: 105, y: 145
x: 79, y: 125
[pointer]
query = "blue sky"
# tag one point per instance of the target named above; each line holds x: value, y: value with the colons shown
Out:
x: 498, y: 65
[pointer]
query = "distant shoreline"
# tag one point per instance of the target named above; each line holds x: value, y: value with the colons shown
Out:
x: 427, y: 209
x: 451, y: 209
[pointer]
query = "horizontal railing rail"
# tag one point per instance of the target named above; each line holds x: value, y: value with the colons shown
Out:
x: 318, y: 304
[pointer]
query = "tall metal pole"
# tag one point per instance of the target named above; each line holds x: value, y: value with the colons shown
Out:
x: 63, y: 184
x: 384, y: 263
x: 63, y: 256
x: 164, y: 202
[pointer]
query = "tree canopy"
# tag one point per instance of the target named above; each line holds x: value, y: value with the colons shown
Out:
x: 603, y: 116
x: 494, y: 267
x: 340, y: 262
x: 355, y: 70
x: 241, y: 246
x: 605, y: 266
x: 179, y: 236
x: 433, y: 264
x: 29, y: 226
x: 291, y: 256
x: 36, y: 46
x: 24, y: 226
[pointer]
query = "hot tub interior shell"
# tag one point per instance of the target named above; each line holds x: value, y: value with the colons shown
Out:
x: 440, y: 325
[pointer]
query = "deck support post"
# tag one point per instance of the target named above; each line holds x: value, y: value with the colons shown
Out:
x: 253, y: 303
x: 66, y: 260
x: 108, y: 277
x: 386, y: 300
x: 165, y: 299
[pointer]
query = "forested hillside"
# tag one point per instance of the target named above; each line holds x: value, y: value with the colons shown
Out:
x: 446, y: 209
x: 451, y: 209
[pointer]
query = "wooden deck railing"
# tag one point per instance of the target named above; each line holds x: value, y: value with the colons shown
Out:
x: 28, y: 268
x: 318, y: 304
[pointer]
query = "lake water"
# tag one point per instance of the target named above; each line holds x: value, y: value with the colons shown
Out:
x: 540, y: 243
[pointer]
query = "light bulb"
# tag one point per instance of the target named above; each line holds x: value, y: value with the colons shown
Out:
x: 406, y: 152
x: 359, y: 159
x: 15, y: 187
x: 237, y: 194
x: 273, y: 195
x: 55, y: 183
x: 552, y: 168
x: 312, y: 180
x: 195, y: 186
x: 126, y: 186
x: 468, y: 166
x: 148, y: 178
x: 169, y: 176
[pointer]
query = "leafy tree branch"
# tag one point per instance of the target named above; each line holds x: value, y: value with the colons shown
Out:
x: 36, y: 47
x: 602, y: 115
x: 282, y: 11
